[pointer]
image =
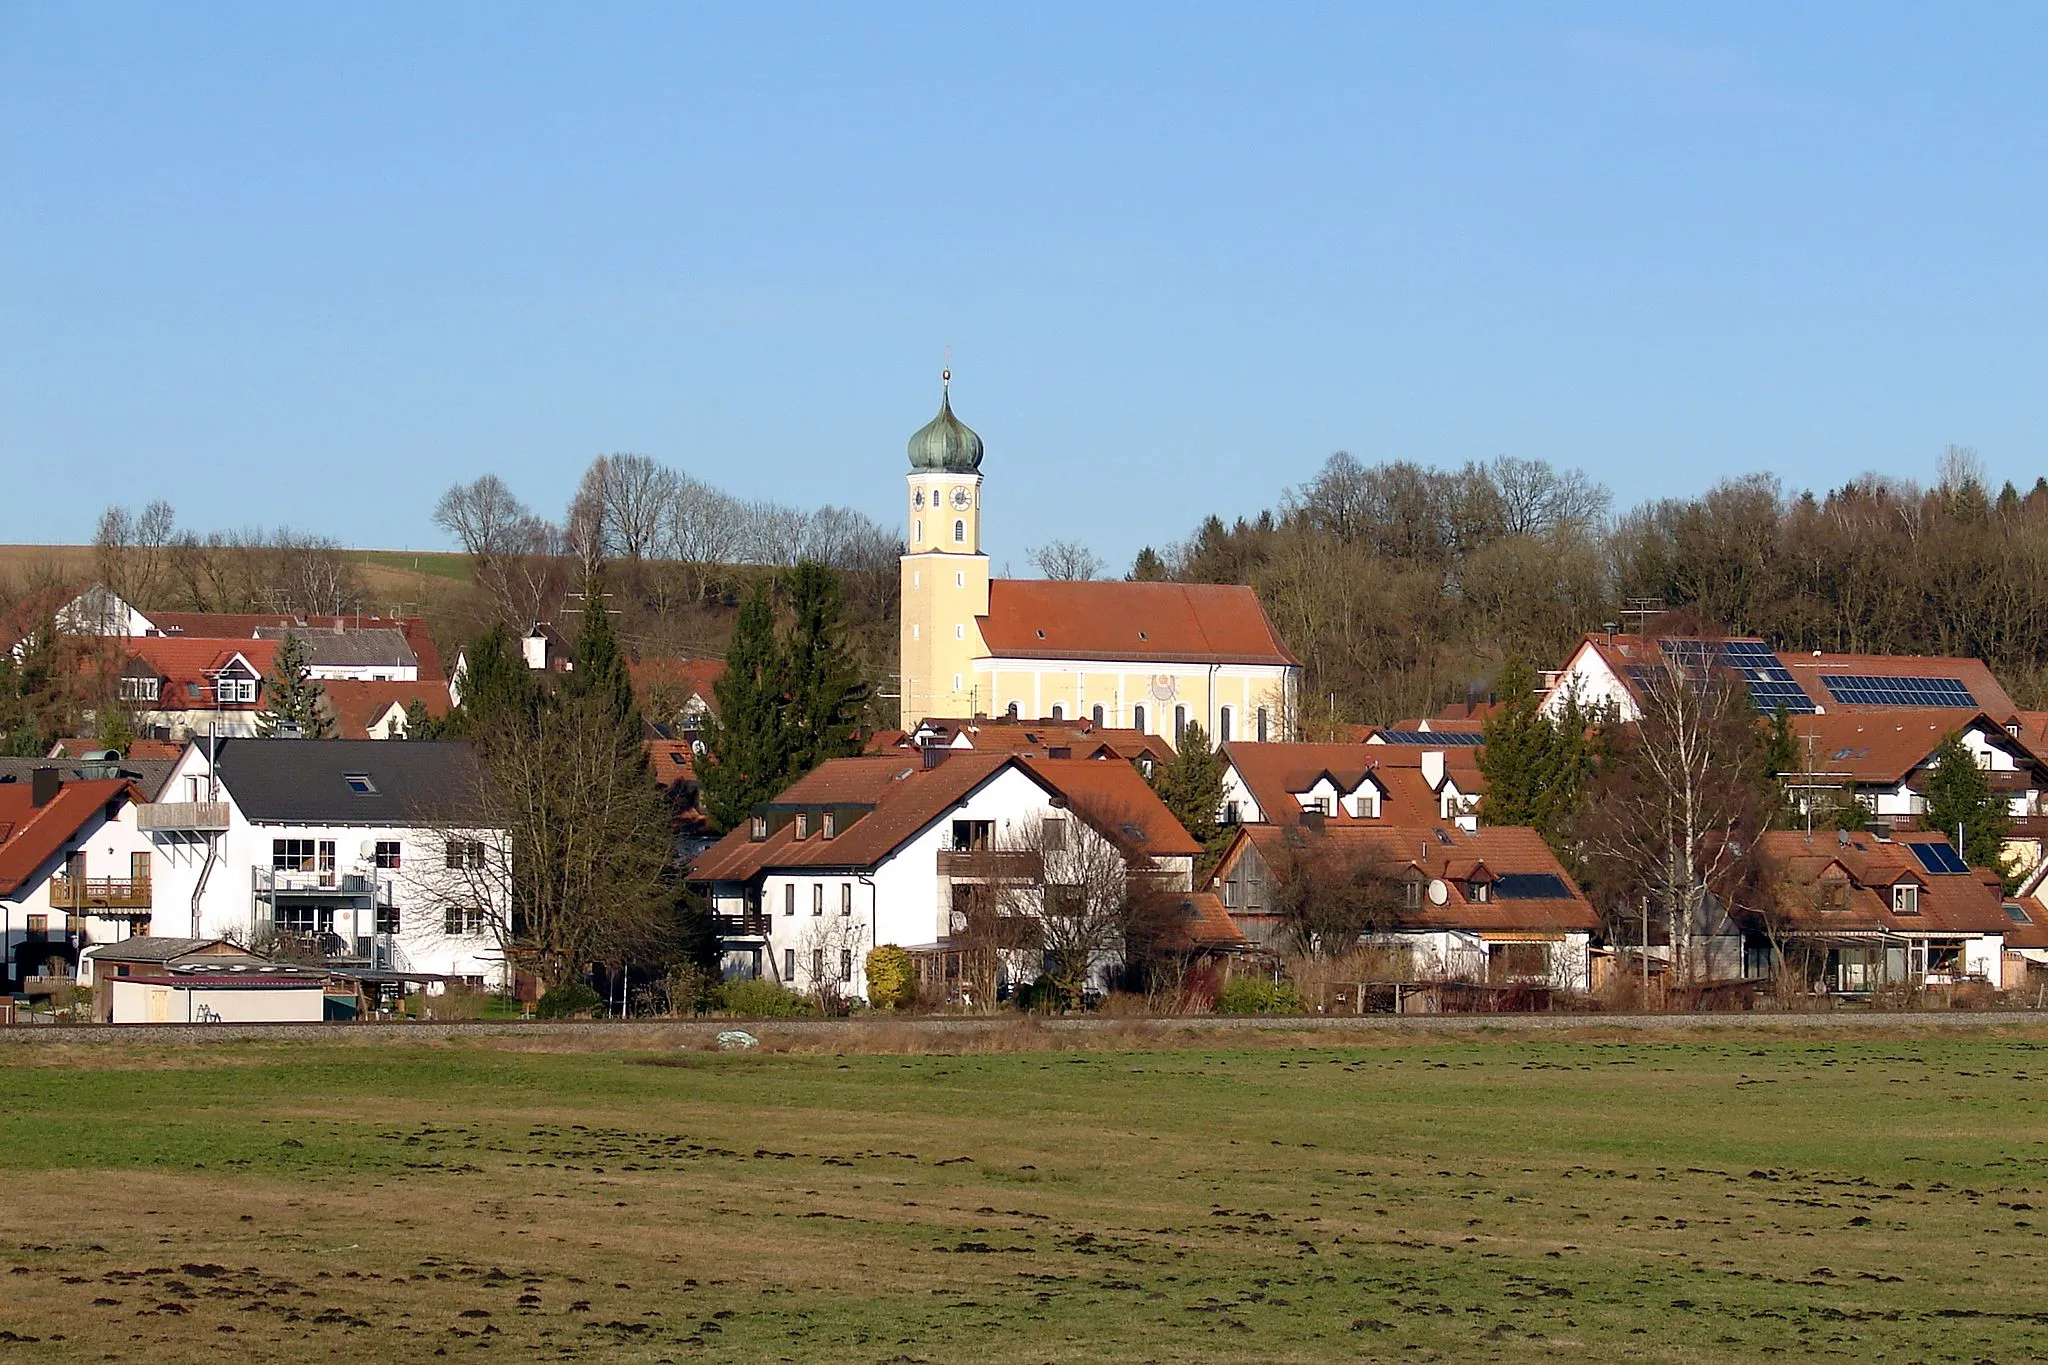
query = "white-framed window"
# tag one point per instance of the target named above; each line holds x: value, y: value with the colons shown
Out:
x: 846, y: 964
x: 788, y: 965
x: 389, y: 855
x: 465, y: 921
x: 389, y: 920
x: 789, y: 899
x: 817, y: 964
x: 360, y: 784
x: 232, y: 691
x: 817, y: 899
x: 1059, y: 711
x: 846, y: 898
x: 1905, y: 899
x: 759, y: 830
x: 1096, y: 715
x: 139, y: 689
x: 293, y: 855
x: 830, y: 824
x: 803, y: 824
x: 465, y: 854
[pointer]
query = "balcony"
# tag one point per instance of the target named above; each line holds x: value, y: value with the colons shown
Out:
x: 747, y: 924
x: 991, y: 865
x: 270, y: 882
x: 111, y: 895
x: 183, y: 817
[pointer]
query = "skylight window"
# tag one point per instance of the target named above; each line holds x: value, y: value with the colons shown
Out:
x: 360, y: 784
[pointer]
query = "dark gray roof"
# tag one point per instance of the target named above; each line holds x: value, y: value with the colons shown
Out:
x: 148, y: 774
x: 349, y: 648
x: 147, y: 949
x: 305, y: 781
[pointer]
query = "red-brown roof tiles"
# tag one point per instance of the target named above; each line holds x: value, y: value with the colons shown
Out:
x: 32, y: 835
x: 1130, y: 622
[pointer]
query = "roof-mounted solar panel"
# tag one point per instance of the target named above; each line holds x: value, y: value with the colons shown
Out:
x: 1869, y: 689
x: 1939, y: 858
x: 1462, y: 739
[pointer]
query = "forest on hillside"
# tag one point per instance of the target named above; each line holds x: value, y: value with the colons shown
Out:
x: 1401, y: 587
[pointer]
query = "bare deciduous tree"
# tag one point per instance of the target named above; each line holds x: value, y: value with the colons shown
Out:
x: 1066, y: 560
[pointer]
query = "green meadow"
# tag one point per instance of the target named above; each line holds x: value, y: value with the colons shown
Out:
x: 1416, y: 1198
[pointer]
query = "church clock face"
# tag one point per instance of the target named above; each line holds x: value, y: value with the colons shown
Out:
x: 917, y: 498
x: 961, y: 497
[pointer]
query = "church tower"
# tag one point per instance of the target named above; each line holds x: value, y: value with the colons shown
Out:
x: 945, y: 574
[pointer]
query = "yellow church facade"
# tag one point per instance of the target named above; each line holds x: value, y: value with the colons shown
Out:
x: 1154, y: 657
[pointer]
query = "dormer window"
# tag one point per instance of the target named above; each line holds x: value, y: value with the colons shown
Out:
x: 803, y: 824
x: 1411, y: 893
x: 760, y: 829
x: 829, y: 824
x: 1834, y: 895
x: 1905, y: 899
x: 1478, y: 892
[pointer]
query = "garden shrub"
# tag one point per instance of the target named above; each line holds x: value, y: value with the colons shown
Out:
x: 573, y: 1001
x: 763, y: 999
x: 892, y: 979
x: 1256, y: 995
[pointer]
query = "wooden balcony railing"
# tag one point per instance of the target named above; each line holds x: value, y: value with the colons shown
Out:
x: 750, y: 924
x: 192, y: 817
x: 99, y: 893
x: 991, y: 865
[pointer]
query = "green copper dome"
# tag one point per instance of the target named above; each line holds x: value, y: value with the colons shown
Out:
x: 946, y: 442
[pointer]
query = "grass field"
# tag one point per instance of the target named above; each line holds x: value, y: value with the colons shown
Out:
x: 1485, y: 1198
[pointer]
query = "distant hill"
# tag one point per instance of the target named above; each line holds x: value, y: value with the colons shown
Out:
x: 415, y: 578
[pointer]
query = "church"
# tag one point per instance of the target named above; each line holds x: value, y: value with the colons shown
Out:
x: 1154, y: 657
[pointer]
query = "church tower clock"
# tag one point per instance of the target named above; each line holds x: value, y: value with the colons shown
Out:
x: 944, y: 572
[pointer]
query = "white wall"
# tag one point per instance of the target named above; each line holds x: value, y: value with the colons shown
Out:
x: 1589, y: 678
x: 135, y: 1002
x: 107, y: 845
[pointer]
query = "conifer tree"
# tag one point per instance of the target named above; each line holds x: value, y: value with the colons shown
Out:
x: 1192, y: 788
x: 293, y: 697
x: 1959, y: 794
x: 496, y: 686
x: 825, y: 688
x: 1536, y: 767
x: 747, y: 741
x: 601, y: 671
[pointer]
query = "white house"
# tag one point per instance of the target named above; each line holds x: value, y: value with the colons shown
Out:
x: 371, y: 850
x: 75, y: 869
x: 884, y: 850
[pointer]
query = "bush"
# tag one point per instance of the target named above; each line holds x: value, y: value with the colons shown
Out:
x: 892, y: 979
x: 1256, y: 995
x: 763, y: 999
x: 1039, y: 997
x: 573, y: 1001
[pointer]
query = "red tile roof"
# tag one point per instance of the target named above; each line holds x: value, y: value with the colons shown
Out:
x: 359, y: 705
x: 694, y: 677
x: 1275, y: 772
x: 1086, y: 739
x: 184, y: 663
x: 32, y: 835
x: 1807, y: 670
x: 1130, y: 622
x: 1117, y: 801
x: 1967, y: 903
x: 225, y: 625
x: 1876, y: 746
x: 1204, y: 923
x: 1437, y: 852
x: 136, y: 750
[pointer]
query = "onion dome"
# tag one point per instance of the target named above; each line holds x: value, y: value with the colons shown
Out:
x: 946, y: 442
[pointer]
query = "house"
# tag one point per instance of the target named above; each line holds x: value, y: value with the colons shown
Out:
x: 1856, y: 912
x: 147, y: 980
x: 364, y: 654
x: 676, y: 695
x: 1142, y: 656
x: 909, y: 848
x: 1045, y: 737
x: 1349, y: 783
x: 1450, y: 904
x: 1610, y: 670
x: 75, y: 869
x: 96, y: 611
x: 374, y: 854
x: 183, y: 688
x: 377, y: 710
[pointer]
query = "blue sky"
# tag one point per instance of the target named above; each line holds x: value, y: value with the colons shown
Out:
x: 312, y: 264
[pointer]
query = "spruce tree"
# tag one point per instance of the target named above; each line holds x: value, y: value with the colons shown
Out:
x: 293, y: 696
x: 826, y: 693
x: 747, y: 742
x: 1517, y: 755
x: 1778, y: 756
x: 497, y: 686
x: 600, y: 670
x: 1148, y: 567
x: 1959, y: 794
x: 1192, y: 788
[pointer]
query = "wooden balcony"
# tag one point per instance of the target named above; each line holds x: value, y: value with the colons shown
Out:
x: 187, y: 817
x: 749, y: 924
x: 99, y: 893
x: 991, y: 865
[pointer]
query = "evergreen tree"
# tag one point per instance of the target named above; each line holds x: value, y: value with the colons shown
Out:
x: 601, y: 670
x: 1537, y: 767
x: 1778, y: 756
x: 747, y: 742
x: 825, y: 690
x: 497, y: 687
x: 1148, y: 567
x: 1959, y: 794
x: 293, y: 697
x: 419, y: 724
x: 1192, y: 788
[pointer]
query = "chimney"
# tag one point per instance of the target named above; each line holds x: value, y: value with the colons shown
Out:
x: 934, y: 755
x: 43, y: 786
x: 1312, y: 819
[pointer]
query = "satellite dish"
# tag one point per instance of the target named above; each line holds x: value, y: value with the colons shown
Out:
x: 1439, y: 894
x: 369, y: 848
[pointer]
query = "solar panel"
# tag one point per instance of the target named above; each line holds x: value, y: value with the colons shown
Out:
x: 1939, y: 858
x: 1771, y: 685
x: 1866, y: 689
x: 1461, y: 739
x: 1531, y: 886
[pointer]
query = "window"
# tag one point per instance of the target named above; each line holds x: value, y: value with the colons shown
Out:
x: 2016, y: 914
x: 1232, y: 813
x: 803, y: 824
x: 960, y: 579
x: 969, y: 835
x: 1180, y: 724
x: 846, y: 964
x: 846, y: 898
x: 959, y: 532
x: 1411, y: 893
x: 759, y: 830
x: 1259, y: 720
x: 1518, y: 960
x: 296, y: 917
x: 388, y: 857
x: 1905, y: 899
x: 1011, y: 710
x: 788, y: 965
x: 916, y: 533
x: 1479, y: 893
x: 1059, y: 711
x: 465, y: 855
x: 830, y: 823
x: 789, y: 899
x: 387, y: 919
x: 293, y: 855
x: 231, y: 691
x: 360, y: 784
x: 1223, y: 725
x: 1096, y: 716
x: 960, y: 632
x: 917, y: 575
x: 1834, y: 895
x: 139, y: 689
x: 817, y: 898
x: 463, y: 920
x: 817, y: 964
x: 38, y: 926
x: 1137, y: 718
